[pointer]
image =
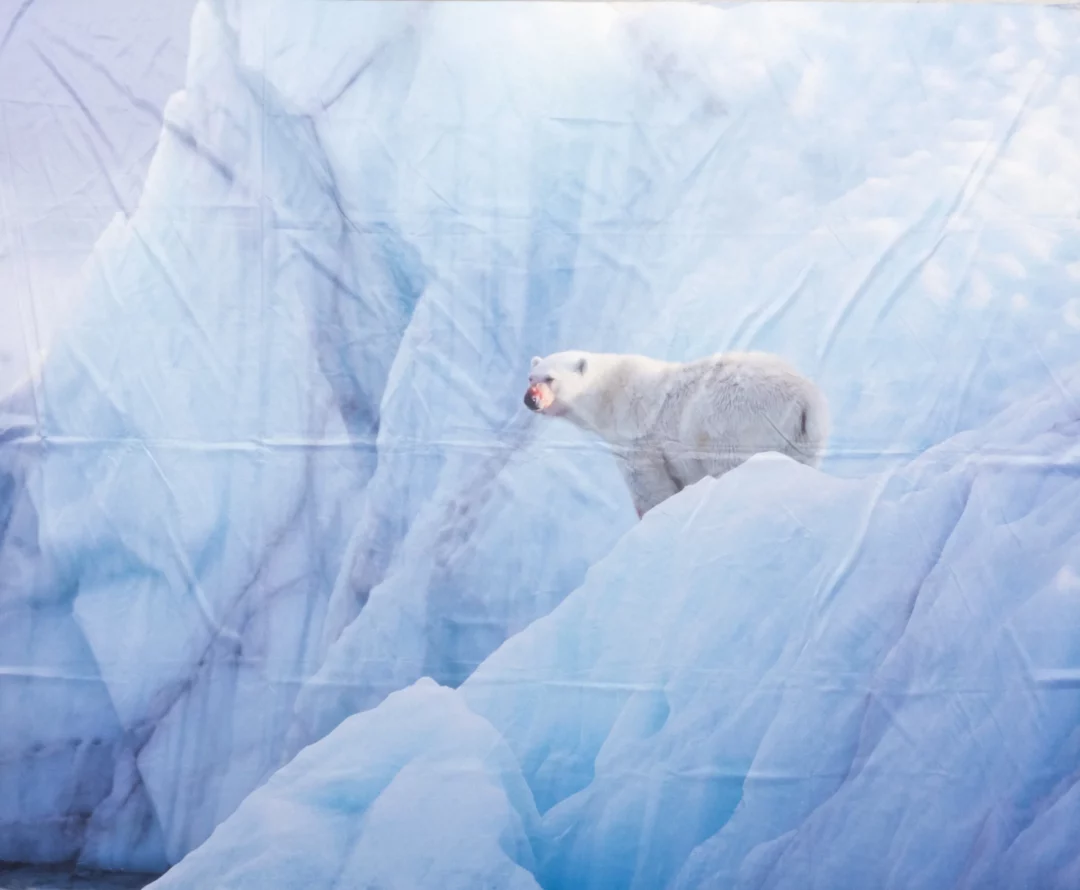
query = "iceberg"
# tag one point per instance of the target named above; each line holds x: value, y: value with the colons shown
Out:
x: 815, y: 682
x: 777, y: 680
x: 277, y: 467
x: 191, y: 467
x: 419, y: 792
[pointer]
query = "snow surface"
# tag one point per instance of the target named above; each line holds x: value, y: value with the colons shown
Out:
x: 778, y: 679
x: 278, y: 466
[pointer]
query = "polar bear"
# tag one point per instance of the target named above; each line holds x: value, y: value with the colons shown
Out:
x: 670, y: 424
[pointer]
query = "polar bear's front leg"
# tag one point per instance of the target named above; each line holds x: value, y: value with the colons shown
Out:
x: 646, y: 473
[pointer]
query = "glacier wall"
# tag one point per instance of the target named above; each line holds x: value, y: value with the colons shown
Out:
x: 277, y: 466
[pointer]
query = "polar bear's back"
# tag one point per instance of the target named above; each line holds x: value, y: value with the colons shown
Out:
x: 722, y: 409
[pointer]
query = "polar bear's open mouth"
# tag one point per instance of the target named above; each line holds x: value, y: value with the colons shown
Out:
x: 539, y: 397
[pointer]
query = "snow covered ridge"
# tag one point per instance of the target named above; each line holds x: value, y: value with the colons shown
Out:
x: 279, y: 467
x: 778, y: 680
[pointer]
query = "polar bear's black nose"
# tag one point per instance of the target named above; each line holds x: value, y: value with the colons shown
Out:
x: 531, y: 400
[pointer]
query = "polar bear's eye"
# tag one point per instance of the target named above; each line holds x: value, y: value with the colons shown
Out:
x: 549, y: 379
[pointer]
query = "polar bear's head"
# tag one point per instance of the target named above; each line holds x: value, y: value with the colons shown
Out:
x: 555, y: 382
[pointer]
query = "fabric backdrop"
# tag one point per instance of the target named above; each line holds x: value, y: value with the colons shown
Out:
x: 295, y: 590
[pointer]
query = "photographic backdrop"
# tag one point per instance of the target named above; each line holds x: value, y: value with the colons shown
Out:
x: 295, y: 591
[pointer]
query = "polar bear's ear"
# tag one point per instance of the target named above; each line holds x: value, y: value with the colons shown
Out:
x: 582, y: 365
x: 535, y: 361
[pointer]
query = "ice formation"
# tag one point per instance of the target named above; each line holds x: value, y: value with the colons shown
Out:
x: 277, y: 467
x: 419, y: 792
x: 779, y: 679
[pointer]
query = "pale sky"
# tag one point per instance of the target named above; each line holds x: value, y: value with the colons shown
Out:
x: 82, y: 85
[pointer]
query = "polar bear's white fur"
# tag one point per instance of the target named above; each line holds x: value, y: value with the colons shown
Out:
x: 670, y: 424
